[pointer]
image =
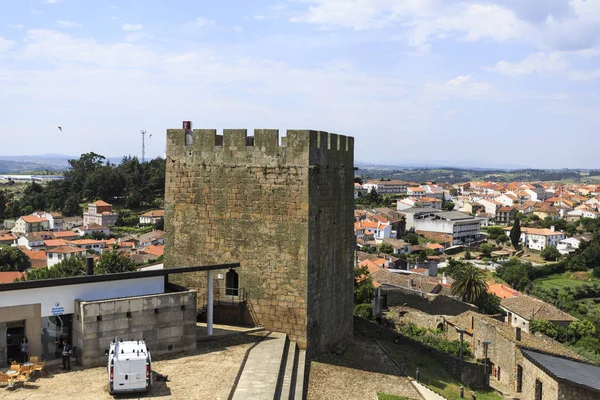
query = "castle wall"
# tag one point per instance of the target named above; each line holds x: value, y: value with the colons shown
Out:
x: 283, y: 212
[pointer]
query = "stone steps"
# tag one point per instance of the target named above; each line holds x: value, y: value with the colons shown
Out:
x: 425, y: 392
x: 274, y: 370
x: 260, y: 376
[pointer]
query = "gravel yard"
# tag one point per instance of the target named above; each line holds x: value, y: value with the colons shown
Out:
x: 362, y: 371
x: 209, y: 373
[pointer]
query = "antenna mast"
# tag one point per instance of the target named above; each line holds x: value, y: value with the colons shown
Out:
x: 143, y: 145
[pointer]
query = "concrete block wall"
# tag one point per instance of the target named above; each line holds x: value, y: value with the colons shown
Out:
x: 283, y: 212
x: 166, y: 321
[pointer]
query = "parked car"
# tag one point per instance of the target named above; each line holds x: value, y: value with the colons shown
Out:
x: 129, y: 367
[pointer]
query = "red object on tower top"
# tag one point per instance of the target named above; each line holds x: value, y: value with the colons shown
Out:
x: 187, y: 125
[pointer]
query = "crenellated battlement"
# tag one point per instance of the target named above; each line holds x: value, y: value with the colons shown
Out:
x: 298, y: 146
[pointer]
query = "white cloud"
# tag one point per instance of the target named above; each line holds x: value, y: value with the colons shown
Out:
x: 539, y: 63
x: 67, y: 24
x: 197, y: 23
x: 52, y: 1
x: 35, y: 11
x: 450, y: 113
x: 132, y: 27
x: 17, y: 26
x: 578, y: 27
x: 5, y: 44
x: 238, y: 28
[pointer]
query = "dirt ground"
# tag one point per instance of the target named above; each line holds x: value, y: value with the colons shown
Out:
x: 360, y: 373
x: 209, y: 373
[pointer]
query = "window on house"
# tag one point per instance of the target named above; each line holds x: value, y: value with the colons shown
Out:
x: 538, y: 390
x: 232, y: 283
x: 519, y: 379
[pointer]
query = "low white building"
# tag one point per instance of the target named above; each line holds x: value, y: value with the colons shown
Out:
x: 92, y: 228
x: 33, y: 239
x: 577, y: 214
x: 568, y: 245
x: 449, y: 227
x: 538, y: 239
x: 386, y: 187
x: 57, y: 254
x: 152, y: 217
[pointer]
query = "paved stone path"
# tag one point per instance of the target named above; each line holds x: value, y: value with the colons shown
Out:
x: 427, y: 393
x: 261, y: 372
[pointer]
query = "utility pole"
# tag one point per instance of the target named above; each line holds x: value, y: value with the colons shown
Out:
x: 143, y: 145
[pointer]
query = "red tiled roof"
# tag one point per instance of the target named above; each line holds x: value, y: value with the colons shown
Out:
x: 31, y: 219
x: 64, y: 234
x: 66, y: 250
x: 154, y: 213
x: 85, y: 241
x: 101, y: 203
x: 502, y: 291
x: 55, y: 243
x: 10, y: 276
x: 156, y: 250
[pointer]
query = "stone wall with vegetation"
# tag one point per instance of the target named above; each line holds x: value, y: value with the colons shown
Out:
x: 283, y: 212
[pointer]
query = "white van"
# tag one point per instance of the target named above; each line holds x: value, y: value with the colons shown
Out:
x: 129, y: 367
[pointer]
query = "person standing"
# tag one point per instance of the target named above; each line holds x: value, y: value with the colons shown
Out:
x: 66, y: 356
x: 25, y: 349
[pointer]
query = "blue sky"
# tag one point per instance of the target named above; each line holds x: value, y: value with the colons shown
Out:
x: 486, y: 83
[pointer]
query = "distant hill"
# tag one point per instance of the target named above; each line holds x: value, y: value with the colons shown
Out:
x: 48, y: 162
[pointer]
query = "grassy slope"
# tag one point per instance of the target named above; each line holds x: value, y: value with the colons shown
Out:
x: 568, y: 279
x: 431, y: 372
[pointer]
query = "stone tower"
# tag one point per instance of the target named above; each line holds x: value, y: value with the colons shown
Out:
x: 285, y: 212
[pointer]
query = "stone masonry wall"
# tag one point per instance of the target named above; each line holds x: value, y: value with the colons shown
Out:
x: 530, y: 373
x: 283, y: 212
x: 166, y: 321
x: 572, y: 392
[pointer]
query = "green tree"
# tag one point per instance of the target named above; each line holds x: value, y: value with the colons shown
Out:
x: 488, y: 303
x: 385, y: 248
x: 468, y: 255
x: 581, y: 329
x: 412, y: 238
x: 364, y: 311
x: 550, y: 253
x: 13, y: 259
x: 486, y: 249
x: 67, y: 267
x: 111, y: 262
x: 363, y: 286
x: 515, y: 233
x: 469, y: 283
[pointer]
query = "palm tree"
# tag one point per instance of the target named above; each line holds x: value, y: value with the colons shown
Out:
x: 469, y: 283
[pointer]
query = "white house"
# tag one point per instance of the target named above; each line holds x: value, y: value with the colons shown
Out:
x: 89, y: 244
x: 380, y: 230
x: 152, y: 217
x: 151, y: 238
x: 416, y: 191
x: 30, y: 223
x: 91, y: 228
x: 33, y: 239
x: 57, y: 254
x: 507, y: 199
x: 55, y: 220
x: 420, y: 202
x: 538, y: 239
x: 101, y: 213
x: 577, y: 214
x: 568, y: 245
x: 491, y: 206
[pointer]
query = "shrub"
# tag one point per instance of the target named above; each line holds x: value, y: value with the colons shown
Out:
x: 364, y: 311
